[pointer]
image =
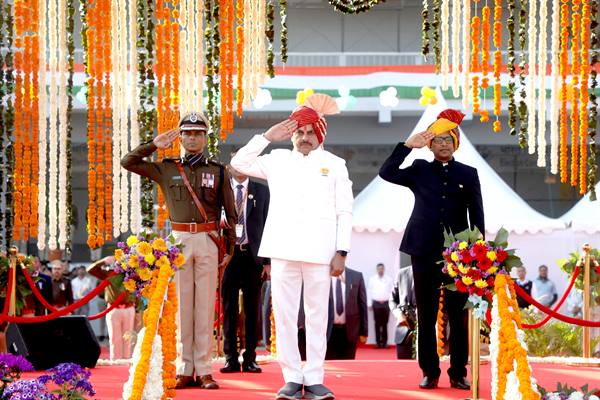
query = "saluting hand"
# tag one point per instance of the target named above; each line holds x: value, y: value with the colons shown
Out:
x: 281, y: 131
x: 164, y: 140
x: 419, y: 140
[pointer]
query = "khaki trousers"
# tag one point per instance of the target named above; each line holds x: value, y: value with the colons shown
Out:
x: 120, y: 328
x: 196, y: 291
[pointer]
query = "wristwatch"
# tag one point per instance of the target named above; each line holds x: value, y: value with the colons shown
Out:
x: 342, y: 253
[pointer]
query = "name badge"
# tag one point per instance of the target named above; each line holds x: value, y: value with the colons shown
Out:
x: 239, y: 230
x: 208, y: 180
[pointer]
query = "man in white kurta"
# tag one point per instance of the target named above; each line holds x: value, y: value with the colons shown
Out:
x: 307, y: 236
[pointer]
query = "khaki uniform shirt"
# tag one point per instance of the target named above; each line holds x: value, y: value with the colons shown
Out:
x: 205, y: 179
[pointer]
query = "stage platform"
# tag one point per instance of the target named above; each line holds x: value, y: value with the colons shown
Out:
x: 375, y: 374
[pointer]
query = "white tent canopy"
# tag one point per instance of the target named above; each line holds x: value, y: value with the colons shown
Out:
x: 503, y: 207
x: 585, y: 215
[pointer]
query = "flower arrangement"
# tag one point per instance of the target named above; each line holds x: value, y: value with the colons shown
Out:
x: 23, y: 289
x: 474, y: 264
x: 141, y: 256
x: 566, y: 392
x: 11, y: 367
x: 568, y: 265
x: 71, y: 382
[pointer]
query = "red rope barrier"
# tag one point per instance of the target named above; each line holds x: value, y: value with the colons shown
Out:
x: 112, y: 306
x: 36, y: 291
x: 550, y: 312
x: 64, y: 311
x: 558, y: 305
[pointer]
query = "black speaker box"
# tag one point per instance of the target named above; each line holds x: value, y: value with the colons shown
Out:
x: 47, y: 344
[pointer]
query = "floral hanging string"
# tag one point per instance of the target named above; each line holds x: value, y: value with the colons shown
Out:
x: 575, y: 84
x: 555, y: 89
x: 541, y: 108
x: 584, y: 94
x: 497, y: 40
x: 593, y: 108
x: 564, y: 65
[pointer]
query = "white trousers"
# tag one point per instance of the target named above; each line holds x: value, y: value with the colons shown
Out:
x: 119, y: 323
x: 286, y: 285
x: 196, y: 290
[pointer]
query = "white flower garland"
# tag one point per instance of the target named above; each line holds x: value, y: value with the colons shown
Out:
x: 63, y: 228
x: 199, y: 47
x: 494, y: 344
x: 541, y: 145
x: 466, y: 46
x: 153, y: 390
x: 115, y: 50
x: 444, y: 67
x: 248, y: 51
x: 53, y: 139
x: 555, y: 89
x: 531, y: 95
x: 455, y: 48
x: 124, y: 102
x: 191, y: 61
x: 136, y: 208
x: 43, y: 124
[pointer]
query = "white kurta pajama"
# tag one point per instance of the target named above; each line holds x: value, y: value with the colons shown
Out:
x: 310, y: 217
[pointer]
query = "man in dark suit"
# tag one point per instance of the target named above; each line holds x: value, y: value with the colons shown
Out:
x: 447, y: 197
x: 245, y: 271
x: 348, y: 318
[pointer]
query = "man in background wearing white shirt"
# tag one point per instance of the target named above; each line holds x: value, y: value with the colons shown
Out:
x: 380, y: 289
x: 544, y: 290
x: 82, y: 284
x: 307, y: 235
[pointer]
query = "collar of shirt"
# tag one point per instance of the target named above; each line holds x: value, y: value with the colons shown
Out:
x: 444, y: 163
x: 188, y: 156
x: 342, y: 277
x: 235, y: 183
x: 313, y: 153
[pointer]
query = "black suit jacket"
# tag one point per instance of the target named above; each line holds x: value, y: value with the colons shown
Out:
x: 355, y: 308
x: 257, y: 206
x: 446, y: 197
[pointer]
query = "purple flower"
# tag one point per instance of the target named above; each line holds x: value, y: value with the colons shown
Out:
x: 15, y: 363
x: 72, y: 378
x: 27, y: 389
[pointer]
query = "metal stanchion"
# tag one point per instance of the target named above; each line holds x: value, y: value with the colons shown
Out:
x: 474, y: 349
x: 12, y: 305
x: 587, y: 347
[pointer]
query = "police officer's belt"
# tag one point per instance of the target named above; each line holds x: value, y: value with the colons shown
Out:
x: 194, y: 227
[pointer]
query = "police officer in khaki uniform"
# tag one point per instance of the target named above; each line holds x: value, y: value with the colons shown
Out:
x: 197, y: 280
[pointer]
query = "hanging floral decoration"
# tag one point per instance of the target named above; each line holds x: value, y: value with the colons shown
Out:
x: 7, y: 89
x: 435, y: 27
x: 497, y: 41
x: 69, y: 156
x: 532, y: 76
x: 226, y: 68
x: 541, y: 75
x: 584, y: 95
x: 354, y: 6
x: 466, y: 52
x: 555, y: 89
x: 425, y: 28
x: 456, y: 31
x: 98, y: 68
x: 284, y: 31
x: 523, y: 111
x: 564, y: 65
x: 593, y: 106
x: 575, y: 71
x: 511, y: 87
x: 485, y: 58
x: 167, y: 76
x: 442, y: 325
x: 212, y: 60
x: 147, y: 109
x: 270, y: 33
x: 191, y: 60
x: 26, y: 131
x: 239, y: 57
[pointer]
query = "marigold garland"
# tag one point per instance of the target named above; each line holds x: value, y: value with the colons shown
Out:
x: 273, y: 337
x: 575, y: 71
x: 26, y: 66
x: 442, y: 323
x: 510, y: 349
x: 584, y: 94
x: 167, y: 330
x: 497, y: 40
x: 151, y: 322
x: 475, y: 37
x: 239, y: 53
x: 226, y: 68
x: 564, y: 65
x: 593, y: 109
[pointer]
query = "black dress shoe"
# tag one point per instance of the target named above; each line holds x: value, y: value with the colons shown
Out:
x: 230, y: 366
x: 461, y: 383
x: 251, y: 367
x: 429, y: 383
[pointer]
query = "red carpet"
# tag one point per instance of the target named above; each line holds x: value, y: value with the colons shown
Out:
x: 375, y: 374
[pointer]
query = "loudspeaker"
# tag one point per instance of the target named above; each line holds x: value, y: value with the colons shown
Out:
x: 47, y: 344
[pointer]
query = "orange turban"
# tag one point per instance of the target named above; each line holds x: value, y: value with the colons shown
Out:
x: 447, y: 121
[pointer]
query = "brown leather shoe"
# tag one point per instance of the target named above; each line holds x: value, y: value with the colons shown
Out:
x: 184, y: 381
x: 206, y: 382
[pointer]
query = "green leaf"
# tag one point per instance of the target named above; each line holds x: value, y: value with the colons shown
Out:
x: 448, y: 238
x: 117, y: 280
x: 451, y: 286
x: 463, y: 236
x: 501, y: 238
x: 512, y: 262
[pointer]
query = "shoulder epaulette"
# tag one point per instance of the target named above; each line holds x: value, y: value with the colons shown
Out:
x: 215, y: 162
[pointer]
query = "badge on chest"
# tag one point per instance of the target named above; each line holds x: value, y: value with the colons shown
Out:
x: 208, y: 180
